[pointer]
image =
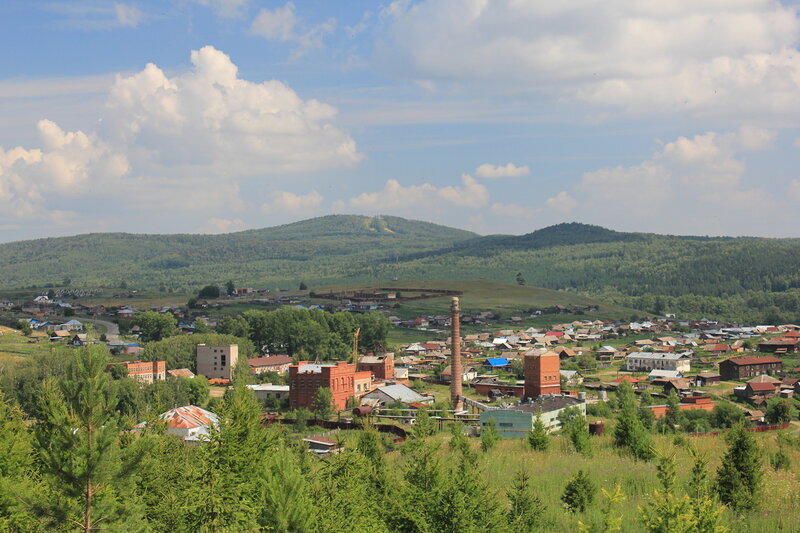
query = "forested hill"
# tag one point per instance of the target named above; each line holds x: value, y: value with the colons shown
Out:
x: 717, y: 276
x: 331, y: 247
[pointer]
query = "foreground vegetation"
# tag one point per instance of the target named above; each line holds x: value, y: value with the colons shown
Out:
x: 78, y: 467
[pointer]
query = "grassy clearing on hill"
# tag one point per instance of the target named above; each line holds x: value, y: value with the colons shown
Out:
x: 481, y: 295
x: 14, y: 346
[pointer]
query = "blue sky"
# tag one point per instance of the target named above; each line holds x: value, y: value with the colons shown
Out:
x: 502, y: 116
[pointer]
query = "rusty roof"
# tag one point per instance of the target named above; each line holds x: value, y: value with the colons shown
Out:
x: 188, y: 416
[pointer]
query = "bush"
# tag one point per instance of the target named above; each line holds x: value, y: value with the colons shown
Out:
x: 599, y: 409
x: 538, y: 439
x: 579, y: 492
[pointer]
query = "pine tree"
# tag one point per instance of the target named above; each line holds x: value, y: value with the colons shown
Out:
x: 538, y: 439
x: 629, y: 432
x: 489, y: 436
x: 287, y: 503
x: 423, y: 425
x: 78, y: 443
x: 739, y: 475
x: 577, y: 430
x: 579, y: 492
x: 526, y: 509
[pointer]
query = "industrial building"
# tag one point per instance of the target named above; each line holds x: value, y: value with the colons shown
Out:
x: 217, y: 362
x: 517, y: 421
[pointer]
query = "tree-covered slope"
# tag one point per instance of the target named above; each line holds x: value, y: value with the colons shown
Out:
x: 706, y: 275
x: 321, y: 248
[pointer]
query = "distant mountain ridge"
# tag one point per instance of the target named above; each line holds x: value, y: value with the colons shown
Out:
x: 348, y: 248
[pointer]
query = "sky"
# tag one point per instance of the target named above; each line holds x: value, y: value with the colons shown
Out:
x: 496, y: 116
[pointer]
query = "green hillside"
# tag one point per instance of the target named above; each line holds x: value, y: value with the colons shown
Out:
x: 751, y: 278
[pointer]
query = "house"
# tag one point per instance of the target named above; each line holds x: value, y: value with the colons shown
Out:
x: 749, y: 366
x: 647, y: 361
x: 78, y: 340
x: 517, y: 421
x: 681, y: 386
x: 389, y: 394
x: 180, y: 373
x: 635, y: 383
x: 607, y: 353
x: 757, y: 392
x: 264, y: 391
x: 190, y: 423
x: 144, y: 371
x: 270, y: 363
x: 467, y: 374
x: 705, y: 379
x: 780, y: 346
x: 495, y: 362
x: 663, y: 375
x: 690, y: 403
x: 571, y: 378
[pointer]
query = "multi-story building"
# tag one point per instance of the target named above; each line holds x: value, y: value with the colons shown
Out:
x: 341, y: 378
x: 647, y: 361
x: 144, y: 371
x: 217, y: 362
x: 381, y: 366
x: 749, y: 366
x: 542, y: 374
x: 270, y: 363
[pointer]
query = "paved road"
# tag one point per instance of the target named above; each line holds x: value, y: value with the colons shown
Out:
x: 112, y: 330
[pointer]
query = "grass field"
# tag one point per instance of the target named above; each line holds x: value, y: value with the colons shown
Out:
x: 549, y: 472
x: 14, y: 346
x: 482, y: 295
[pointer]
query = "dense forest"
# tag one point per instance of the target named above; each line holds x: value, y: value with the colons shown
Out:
x: 753, y: 279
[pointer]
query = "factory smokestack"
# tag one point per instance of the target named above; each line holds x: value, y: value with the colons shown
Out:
x: 456, y: 375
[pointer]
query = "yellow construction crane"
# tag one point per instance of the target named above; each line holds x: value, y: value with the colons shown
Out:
x: 355, y: 347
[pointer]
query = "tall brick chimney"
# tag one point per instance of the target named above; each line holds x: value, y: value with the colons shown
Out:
x: 455, y: 357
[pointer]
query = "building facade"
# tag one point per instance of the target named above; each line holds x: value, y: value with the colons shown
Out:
x: 381, y: 366
x: 647, y: 361
x: 217, y: 362
x: 542, y: 374
x: 517, y: 421
x: 144, y: 371
x: 749, y: 366
x: 341, y: 378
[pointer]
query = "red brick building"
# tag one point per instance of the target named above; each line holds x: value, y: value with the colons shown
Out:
x: 749, y: 366
x: 144, y: 371
x: 381, y: 366
x: 341, y: 378
x: 542, y: 374
x: 702, y: 403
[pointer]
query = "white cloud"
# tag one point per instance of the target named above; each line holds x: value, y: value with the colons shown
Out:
x: 703, y: 56
x: 693, y: 186
x: 294, y: 204
x: 128, y: 16
x: 277, y: 24
x: 281, y: 24
x: 226, y: 8
x: 562, y: 202
x: 509, y: 170
x: 222, y: 225
x: 397, y: 197
x: 180, y: 142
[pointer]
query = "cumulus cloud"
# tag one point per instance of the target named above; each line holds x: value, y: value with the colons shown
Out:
x: 294, y: 204
x: 704, y: 56
x: 190, y: 137
x: 509, y: 170
x: 562, y: 202
x: 395, y: 196
x: 281, y: 24
x: 692, y: 185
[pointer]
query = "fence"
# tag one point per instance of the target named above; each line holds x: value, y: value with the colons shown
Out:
x: 756, y: 429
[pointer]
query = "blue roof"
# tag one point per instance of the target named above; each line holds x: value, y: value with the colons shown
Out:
x: 497, y: 361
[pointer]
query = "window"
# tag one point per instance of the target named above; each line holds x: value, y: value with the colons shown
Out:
x: 505, y: 425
